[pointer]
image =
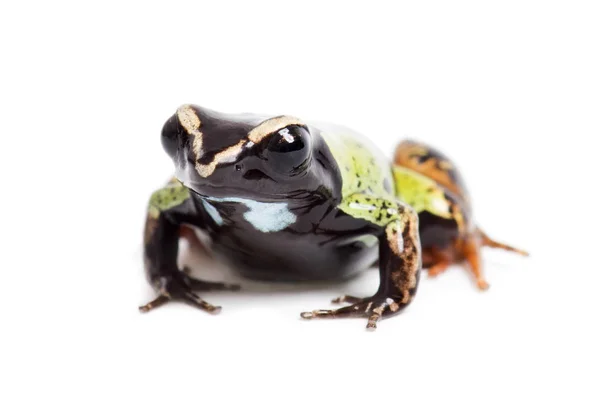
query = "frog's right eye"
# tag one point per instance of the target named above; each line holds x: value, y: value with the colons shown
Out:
x: 288, y: 150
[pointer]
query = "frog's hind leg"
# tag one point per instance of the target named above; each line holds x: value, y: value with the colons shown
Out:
x: 471, y: 251
x: 472, y: 255
x: 487, y: 242
x: 437, y: 261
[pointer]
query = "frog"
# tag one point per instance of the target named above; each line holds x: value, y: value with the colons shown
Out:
x: 278, y: 198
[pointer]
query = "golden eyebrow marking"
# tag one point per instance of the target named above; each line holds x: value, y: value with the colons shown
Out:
x: 231, y: 153
x: 191, y: 123
x: 228, y: 155
x: 270, y: 126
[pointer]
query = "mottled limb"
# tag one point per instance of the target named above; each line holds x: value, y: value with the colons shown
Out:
x: 400, y: 266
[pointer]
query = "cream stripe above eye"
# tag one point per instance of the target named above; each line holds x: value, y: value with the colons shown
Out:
x: 231, y: 153
x: 270, y: 126
x: 191, y: 123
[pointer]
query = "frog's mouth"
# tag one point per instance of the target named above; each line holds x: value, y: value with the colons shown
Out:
x: 206, y: 191
x: 254, y: 184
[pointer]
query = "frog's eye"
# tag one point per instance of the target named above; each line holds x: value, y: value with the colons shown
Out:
x: 288, y: 150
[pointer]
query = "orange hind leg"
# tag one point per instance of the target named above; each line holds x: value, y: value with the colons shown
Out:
x: 467, y: 251
x: 439, y: 254
x: 472, y: 254
x: 487, y: 242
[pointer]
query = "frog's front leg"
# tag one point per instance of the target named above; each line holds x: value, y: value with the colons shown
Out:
x: 170, y: 208
x: 400, y: 262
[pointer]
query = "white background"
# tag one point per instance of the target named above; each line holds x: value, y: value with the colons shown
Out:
x: 510, y: 90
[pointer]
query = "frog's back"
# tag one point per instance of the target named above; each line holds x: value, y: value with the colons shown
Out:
x: 363, y: 167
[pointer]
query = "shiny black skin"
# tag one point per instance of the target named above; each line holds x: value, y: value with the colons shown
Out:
x: 239, y: 165
x: 321, y: 245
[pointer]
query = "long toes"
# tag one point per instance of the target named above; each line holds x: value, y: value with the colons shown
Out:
x: 318, y: 314
x: 195, y: 300
x: 353, y: 310
x: 372, y: 324
x: 159, y: 301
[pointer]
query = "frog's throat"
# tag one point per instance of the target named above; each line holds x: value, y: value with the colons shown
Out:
x: 264, y: 217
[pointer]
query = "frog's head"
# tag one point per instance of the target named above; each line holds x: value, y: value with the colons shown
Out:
x: 242, y: 155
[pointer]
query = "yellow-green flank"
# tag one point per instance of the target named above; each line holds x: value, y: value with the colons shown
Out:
x: 172, y: 195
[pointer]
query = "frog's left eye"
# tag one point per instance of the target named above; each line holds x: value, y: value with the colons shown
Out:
x: 288, y: 150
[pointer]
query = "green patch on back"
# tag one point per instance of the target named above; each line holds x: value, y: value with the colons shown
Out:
x: 366, y: 178
x: 421, y: 192
x: 377, y: 210
x: 363, y: 169
x: 172, y: 195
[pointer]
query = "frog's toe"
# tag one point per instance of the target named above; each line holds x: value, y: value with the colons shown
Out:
x: 482, y: 285
x: 371, y: 308
x: 195, y: 300
x: 159, y: 301
x: 317, y: 314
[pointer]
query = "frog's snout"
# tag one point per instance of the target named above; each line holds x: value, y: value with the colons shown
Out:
x: 170, y: 136
x: 183, y: 123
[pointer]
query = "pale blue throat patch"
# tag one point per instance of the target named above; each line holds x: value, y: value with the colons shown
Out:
x: 265, y: 217
x: 213, y: 212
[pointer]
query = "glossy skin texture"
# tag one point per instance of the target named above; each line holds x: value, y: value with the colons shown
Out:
x: 284, y: 200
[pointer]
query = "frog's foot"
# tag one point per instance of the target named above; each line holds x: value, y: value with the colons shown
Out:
x: 372, y: 308
x: 482, y: 284
x: 181, y: 287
